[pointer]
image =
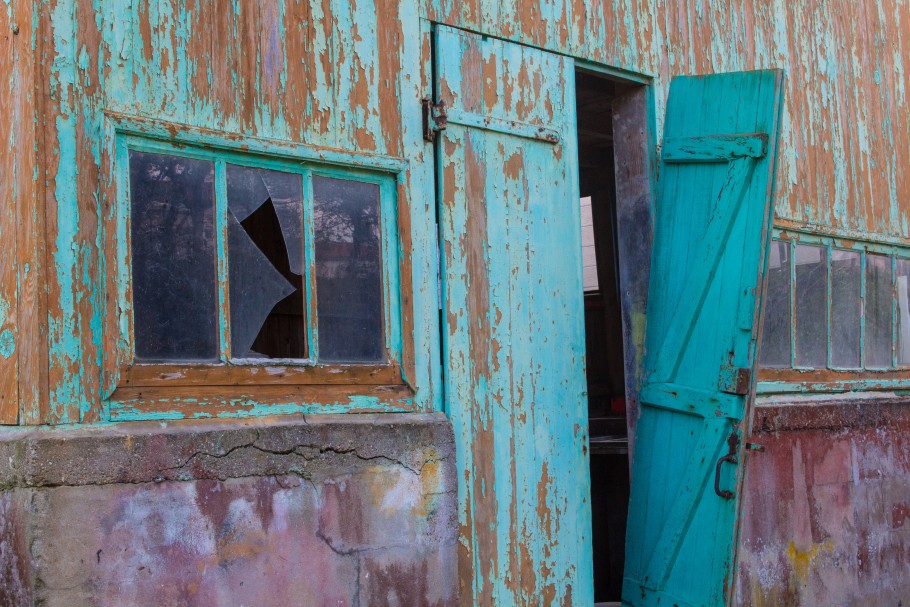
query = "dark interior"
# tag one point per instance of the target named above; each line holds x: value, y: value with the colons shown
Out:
x: 283, y: 334
x: 603, y: 335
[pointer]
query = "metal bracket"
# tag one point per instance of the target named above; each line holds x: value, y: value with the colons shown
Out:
x: 435, y: 118
x: 735, y: 380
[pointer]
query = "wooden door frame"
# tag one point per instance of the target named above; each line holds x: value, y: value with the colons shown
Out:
x: 635, y: 160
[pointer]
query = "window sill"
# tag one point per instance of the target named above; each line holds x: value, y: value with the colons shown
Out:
x: 794, y: 381
x: 794, y: 413
x: 263, y: 373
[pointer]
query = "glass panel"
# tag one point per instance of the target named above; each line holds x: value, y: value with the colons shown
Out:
x: 811, y: 307
x: 175, y: 304
x: 903, y: 311
x: 348, y: 284
x: 588, y: 256
x: 265, y: 246
x: 775, y: 339
x: 846, y: 308
x: 878, y: 311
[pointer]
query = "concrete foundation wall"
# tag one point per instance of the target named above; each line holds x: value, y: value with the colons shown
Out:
x: 826, y: 506
x: 328, y: 511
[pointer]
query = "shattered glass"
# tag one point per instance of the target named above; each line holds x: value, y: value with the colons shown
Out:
x: 348, y: 270
x: 175, y: 303
x: 265, y: 263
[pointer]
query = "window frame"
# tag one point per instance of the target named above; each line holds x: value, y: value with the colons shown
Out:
x: 831, y: 378
x: 141, y: 390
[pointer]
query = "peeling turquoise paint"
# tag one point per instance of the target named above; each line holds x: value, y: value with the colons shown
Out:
x: 7, y: 343
x: 242, y: 407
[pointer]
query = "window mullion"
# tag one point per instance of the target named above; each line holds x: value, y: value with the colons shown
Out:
x: 221, y: 223
x: 309, y: 256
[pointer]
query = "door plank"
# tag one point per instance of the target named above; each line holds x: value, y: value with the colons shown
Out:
x: 513, y: 350
x: 712, y: 226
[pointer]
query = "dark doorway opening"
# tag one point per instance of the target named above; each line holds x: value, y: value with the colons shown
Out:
x: 610, y: 359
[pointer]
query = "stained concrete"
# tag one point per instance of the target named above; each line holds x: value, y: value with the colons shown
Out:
x: 826, y: 505
x: 324, y: 511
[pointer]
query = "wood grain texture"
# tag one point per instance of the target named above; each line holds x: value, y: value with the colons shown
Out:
x: 240, y: 401
x: 844, y: 143
x: 260, y: 374
x: 13, y: 53
x: 513, y: 333
x: 712, y: 228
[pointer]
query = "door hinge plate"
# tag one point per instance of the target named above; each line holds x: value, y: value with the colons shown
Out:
x: 735, y: 380
x: 434, y: 118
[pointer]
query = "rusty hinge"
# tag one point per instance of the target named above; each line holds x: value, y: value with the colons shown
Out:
x: 434, y: 118
x: 735, y: 380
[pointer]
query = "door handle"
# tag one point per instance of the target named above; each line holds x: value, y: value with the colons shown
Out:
x: 733, y: 444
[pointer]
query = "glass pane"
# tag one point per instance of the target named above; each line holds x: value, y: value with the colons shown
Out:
x: 175, y: 305
x: 846, y: 308
x: 265, y: 243
x: 775, y: 339
x: 878, y: 311
x: 811, y: 307
x: 903, y: 311
x: 588, y: 256
x: 348, y: 284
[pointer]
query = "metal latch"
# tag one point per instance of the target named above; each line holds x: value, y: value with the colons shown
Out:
x: 434, y: 118
x: 730, y: 457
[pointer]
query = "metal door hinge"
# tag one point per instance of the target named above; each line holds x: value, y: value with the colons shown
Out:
x: 735, y: 380
x: 434, y: 118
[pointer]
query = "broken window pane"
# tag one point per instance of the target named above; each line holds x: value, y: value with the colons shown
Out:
x: 846, y: 308
x: 775, y: 340
x: 175, y: 306
x: 265, y: 244
x: 903, y: 311
x: 878, y: 311
x: 811, y: 306
x: 348, y: 284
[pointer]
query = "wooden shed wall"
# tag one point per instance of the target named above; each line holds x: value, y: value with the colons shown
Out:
x: 349, y: 74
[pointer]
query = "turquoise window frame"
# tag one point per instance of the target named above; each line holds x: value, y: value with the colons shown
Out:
x: 895, y: 377
x: 385, y: 172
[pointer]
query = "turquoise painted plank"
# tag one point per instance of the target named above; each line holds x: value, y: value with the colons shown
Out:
x: 714, y: 148
x: 712, y: 226
x: 513, y: 332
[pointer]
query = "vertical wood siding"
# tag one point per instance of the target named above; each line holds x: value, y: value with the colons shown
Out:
x: 844, y: 143
x: 349, y: 75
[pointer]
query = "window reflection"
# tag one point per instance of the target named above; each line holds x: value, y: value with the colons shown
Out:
x: 348, y: 284
x: 173, y: 258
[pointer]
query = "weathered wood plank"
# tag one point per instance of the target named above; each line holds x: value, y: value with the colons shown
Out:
x: 251, y: 375
x: 227, y: 401
x: 513, y: 337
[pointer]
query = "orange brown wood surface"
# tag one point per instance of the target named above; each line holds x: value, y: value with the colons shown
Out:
x: 349, y: 75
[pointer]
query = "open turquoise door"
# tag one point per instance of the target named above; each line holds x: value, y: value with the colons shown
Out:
x: 712, y: 228
x: 513, y: 317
